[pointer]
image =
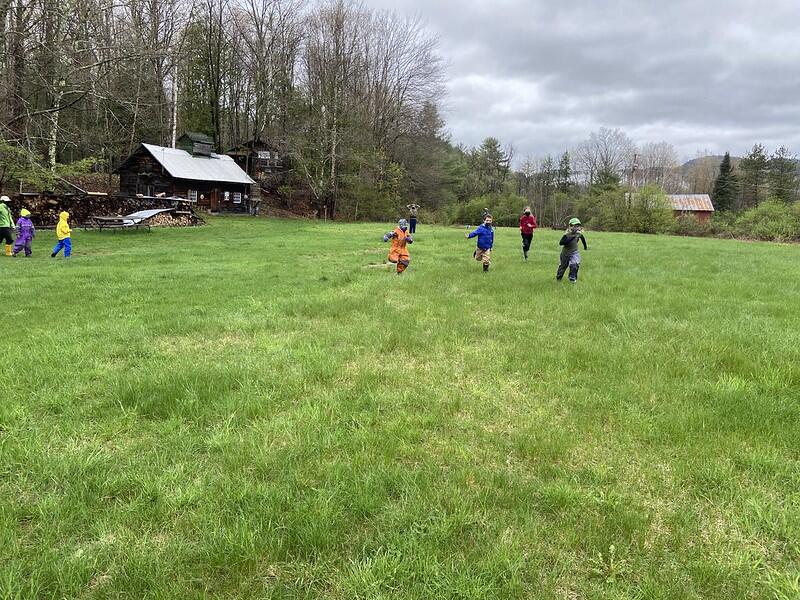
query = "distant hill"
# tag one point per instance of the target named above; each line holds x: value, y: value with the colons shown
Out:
x: 709, y: 161
x: 713, y: 161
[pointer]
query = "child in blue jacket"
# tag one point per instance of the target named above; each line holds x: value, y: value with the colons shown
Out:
x: 485, y: 235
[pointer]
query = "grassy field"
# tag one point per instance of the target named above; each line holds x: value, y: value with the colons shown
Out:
x: 250, y: 410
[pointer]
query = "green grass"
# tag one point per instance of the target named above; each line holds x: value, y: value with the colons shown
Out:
x: 250, y: 410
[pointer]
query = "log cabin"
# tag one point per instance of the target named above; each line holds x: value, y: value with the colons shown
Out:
x: 213, y: 181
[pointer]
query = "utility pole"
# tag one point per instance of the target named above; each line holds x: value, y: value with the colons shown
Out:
x: 175, y: 104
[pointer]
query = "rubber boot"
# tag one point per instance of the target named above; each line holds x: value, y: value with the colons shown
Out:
x: 9, y: 247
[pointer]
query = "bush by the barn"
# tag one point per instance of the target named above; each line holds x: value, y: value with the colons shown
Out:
x: 689, y: 225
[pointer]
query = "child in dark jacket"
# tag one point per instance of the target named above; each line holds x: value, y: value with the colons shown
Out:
x: 25, y: 233
x: 485, y: 235
x: 570, y: 255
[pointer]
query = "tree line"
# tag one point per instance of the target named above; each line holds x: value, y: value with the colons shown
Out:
x: 347, y: 93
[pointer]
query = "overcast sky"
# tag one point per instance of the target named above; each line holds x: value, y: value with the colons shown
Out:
x: 542, y: 74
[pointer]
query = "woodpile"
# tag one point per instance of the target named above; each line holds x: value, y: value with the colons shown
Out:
x: 45, y: 209
x: 176, y: 219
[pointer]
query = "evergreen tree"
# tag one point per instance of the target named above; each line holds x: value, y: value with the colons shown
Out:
x: 726, y: 187
x: 755, y: 168
x: 564, y: 172
x: 782, y: 176
x: 495, y: 164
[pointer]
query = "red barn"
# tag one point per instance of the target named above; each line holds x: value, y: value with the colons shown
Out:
x: 698, y: 205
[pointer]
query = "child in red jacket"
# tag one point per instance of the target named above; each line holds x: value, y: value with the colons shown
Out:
x: 527, y: 224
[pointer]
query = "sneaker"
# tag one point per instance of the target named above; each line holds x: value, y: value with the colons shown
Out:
x: 573, y: 281
x: 53, y: 255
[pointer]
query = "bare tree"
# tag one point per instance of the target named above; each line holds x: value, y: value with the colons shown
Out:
x: 607, y: 152
x: 331, y: 62
x: 658, y: 165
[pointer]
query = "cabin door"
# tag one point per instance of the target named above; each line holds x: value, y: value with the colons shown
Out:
x: 214, y: 201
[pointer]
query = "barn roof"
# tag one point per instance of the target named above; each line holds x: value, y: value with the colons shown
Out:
x: 182, y: 165
x: 691, y: 202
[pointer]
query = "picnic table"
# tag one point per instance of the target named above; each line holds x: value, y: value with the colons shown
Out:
x: 131, y: 221
x: 116, y: 223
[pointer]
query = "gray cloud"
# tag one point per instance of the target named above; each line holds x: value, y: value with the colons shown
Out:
x: 702, y: 74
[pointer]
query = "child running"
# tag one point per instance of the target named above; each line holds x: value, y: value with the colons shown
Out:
x: 527, y: 225
x: 485, y: 235
x: 63, y: 232
x: 398, y: 254
x: 25, y: 233
x: 570, y: 255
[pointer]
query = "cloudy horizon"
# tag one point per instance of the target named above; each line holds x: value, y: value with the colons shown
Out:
x: 704, y: 76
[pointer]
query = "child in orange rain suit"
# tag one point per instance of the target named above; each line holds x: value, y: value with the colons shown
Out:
x: 398, y: 254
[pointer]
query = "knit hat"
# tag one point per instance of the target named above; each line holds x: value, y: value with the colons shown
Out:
x: 402, y: 223
x: 24, y: 213
x: 574, y: 221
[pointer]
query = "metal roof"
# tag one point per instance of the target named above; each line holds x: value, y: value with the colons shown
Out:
x: 143, y: 215
x: 691, y: 202
x: 182, y: 165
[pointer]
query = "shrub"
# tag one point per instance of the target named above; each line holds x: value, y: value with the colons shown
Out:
x: 505, y: 209
x: 285, y: 193
x: 772, y: 221
x: 690, y: 225
x: 614, y: 209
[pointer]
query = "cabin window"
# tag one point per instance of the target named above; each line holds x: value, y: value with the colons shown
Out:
x: 193, y: 195
x: 237, y: 197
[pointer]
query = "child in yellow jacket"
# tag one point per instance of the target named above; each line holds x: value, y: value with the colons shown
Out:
x: 63, y: 233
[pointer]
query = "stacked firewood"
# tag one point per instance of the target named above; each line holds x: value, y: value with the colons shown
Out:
x: 45, y: 209
x: 180, y: 219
